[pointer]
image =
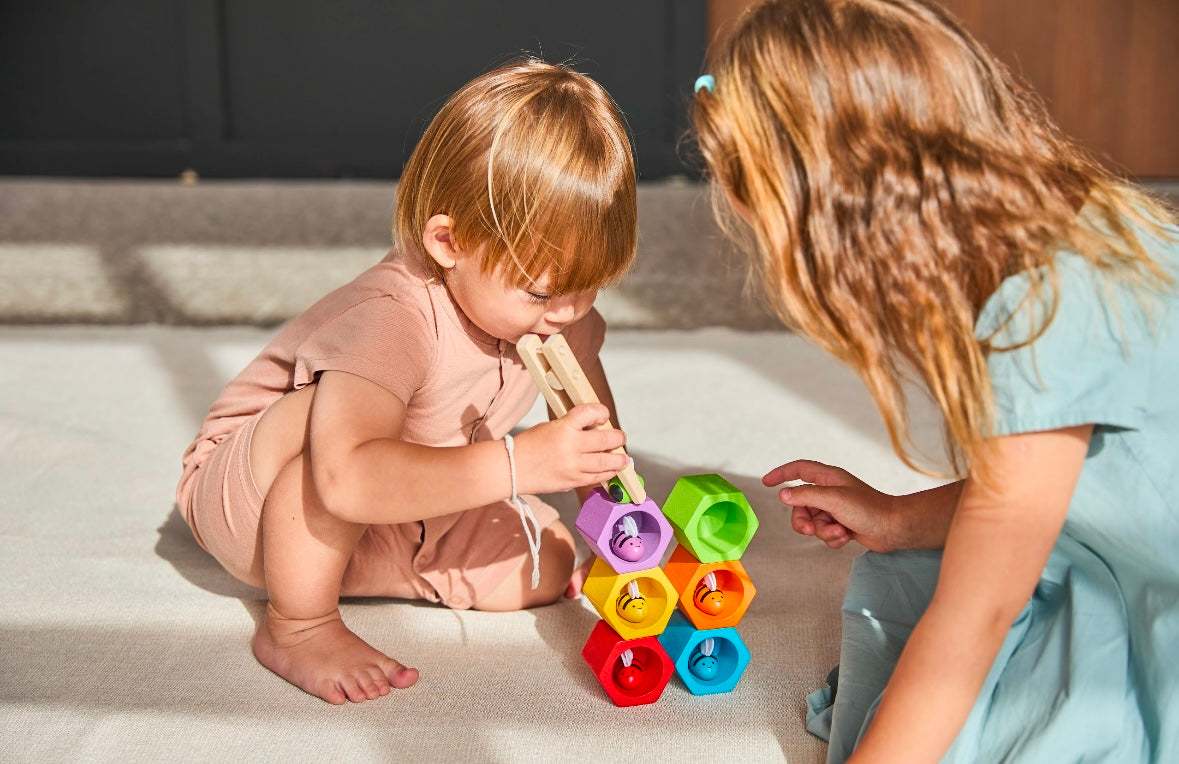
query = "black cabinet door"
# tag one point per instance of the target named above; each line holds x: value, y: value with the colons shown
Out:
x: 298, y: 89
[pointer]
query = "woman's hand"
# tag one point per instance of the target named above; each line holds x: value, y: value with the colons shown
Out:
x: 837, y: 507
x: 569, y: 452
x: 834, y: 505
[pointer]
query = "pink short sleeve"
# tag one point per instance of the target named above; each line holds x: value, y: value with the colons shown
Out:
x: 380, y: 339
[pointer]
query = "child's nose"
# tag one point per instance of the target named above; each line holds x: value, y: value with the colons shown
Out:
x: 571, y: 307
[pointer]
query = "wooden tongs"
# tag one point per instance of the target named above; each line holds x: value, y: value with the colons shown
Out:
x: 557, y: 373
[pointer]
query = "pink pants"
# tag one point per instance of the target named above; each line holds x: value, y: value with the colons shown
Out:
x: 455, y: 559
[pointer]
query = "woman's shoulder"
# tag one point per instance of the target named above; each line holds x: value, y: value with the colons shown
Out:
x: 1091, y: 348
x: 1078, y: 290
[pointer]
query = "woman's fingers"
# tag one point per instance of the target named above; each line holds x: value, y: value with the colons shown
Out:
x: 830, y: 531
x: 801, y: 521
x: 806, y: 470
x: 808, y: 495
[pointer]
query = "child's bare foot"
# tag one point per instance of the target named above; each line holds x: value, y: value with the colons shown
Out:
x: 323, y: 657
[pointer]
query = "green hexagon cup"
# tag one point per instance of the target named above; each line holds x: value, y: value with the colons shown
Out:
x: 710, y: 517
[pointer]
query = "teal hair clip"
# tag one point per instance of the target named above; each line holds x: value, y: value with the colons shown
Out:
x: 705, y: 82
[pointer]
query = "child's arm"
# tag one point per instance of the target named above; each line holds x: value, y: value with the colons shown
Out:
x: 365, y: 473
x: 837, y: 507
x: 561, y: 379
x: 999, y: 541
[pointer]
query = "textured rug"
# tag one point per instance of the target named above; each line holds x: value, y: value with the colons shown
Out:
x: 121, y: 639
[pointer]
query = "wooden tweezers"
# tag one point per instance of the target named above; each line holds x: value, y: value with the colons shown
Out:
x: 557, y: 373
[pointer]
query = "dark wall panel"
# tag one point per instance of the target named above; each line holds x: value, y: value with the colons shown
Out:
x: 90, y: 72
x: 282, y: 88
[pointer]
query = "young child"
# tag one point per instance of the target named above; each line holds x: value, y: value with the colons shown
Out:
x: 916, y: 213
x: 366, y: 450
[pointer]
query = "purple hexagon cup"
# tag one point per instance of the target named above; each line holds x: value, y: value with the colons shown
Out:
x: 629, y: 537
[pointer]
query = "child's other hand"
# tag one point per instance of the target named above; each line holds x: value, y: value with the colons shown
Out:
x: 569, y: 452
x: 833, y: 505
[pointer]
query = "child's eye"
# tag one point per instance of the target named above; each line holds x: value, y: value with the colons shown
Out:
x: 539, y: 299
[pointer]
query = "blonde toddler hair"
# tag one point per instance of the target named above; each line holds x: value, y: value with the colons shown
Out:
x: 532, y: 162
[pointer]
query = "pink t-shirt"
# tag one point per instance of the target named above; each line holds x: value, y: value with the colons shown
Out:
x: 397, y: 327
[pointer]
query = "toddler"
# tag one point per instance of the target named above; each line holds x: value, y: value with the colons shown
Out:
x: 366, y: 450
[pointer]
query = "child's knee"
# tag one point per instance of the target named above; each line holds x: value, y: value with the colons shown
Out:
x: 556, y: 566
x: 557, y: 554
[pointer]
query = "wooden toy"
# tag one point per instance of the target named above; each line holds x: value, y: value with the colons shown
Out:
x: 618, y: 493
x: 626, y: 546
x: 563, y: 384
x: 641, y: 638
x: 632, y: 605
x: 617, y: 598
x: 700, y: 602
x: 710, y: 517
x: 629, y: 672
x: 703, y: 664
x: 628, y: 681
x: 705, y: 669
x: 708, y: 597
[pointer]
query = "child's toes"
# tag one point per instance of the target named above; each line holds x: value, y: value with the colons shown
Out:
x: 353, y: 690
x: 368, y: 686
x: 333, y: 693
x: 390, y: 669
x: 400, y: 676
x: 379, y: 680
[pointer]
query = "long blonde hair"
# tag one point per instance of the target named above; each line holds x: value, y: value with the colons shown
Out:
x: 892, y: 173
x: 533, y: 163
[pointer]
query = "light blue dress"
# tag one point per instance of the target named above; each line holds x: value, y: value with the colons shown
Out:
x: 1090, y: 669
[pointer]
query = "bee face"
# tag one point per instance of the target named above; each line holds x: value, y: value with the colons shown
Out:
x: 710, y: 601
x: 626, y: 547
x: 703, y: 666
x: 633, y: 609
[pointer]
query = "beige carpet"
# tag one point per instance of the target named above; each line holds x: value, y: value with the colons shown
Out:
x: 121, y: 640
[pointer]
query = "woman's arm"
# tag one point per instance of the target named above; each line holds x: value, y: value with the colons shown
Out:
x: 365, y: 473
x: 999, y: 541
x: 837, y: 507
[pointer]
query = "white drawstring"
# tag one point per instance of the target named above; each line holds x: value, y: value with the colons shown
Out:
x: 526, y: 516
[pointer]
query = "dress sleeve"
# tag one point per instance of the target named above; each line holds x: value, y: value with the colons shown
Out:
x: 380, y: 339
x: 1090, y: 366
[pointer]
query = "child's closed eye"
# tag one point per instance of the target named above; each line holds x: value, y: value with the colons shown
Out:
x: 538, y: 298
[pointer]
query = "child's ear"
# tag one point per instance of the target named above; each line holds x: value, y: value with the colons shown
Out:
x: 438, y: 242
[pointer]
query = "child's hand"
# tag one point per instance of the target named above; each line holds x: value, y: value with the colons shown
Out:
x: 834, y: 505
x: 569, y: 452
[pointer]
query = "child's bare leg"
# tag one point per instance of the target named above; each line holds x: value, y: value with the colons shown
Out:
x: 577, y: 580
x: 302, y: 637
x: 556, y: 567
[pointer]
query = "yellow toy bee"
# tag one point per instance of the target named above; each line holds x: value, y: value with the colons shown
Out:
x: 631, y: 604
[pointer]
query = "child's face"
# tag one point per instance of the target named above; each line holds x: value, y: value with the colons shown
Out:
x: 492, y: 301
x: 497, y: 306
